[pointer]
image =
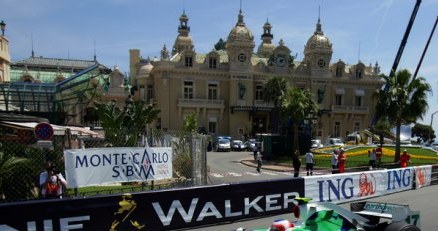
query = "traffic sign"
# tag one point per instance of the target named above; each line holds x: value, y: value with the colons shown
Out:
x: 44, y: 131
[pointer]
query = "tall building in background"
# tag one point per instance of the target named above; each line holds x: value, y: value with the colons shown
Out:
x: 5, y: 58
x: 225, y: 86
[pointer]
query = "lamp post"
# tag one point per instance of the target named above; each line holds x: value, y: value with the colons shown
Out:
x: 3, y: 27
x: 430, y: 128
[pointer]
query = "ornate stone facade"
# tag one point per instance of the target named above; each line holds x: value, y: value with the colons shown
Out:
x: 225, y: 87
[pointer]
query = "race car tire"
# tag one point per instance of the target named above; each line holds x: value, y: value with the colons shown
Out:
x: 400, y: 226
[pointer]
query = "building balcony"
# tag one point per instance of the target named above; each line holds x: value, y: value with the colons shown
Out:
x: 262, y: 103
x: 201, y: 103
x: 350, y: 109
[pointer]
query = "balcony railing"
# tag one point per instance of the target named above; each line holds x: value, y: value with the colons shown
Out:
x: 201, y: 103
x: 350, y: 109
x: 262, y: 103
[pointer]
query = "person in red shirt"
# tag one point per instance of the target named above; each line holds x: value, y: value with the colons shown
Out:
x: 342, y: 158
x: 379, y: 154
x: 405, y: 159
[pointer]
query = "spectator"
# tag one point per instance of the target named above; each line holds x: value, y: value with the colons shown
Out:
x: 342, y: 158
x: 309, y: 163
x: 405, y: 158
x: 372, y: 156
x: 51, y: 181
x: 255, y: 150
x: 379, y: 155
x: 259, y: 161
x: 296, y: 162
x: 334, y: 161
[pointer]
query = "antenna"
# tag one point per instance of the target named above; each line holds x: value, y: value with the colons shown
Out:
x: 241, y: 5
x: 31, y: 39
x: 94, y: 43
x: 319, y: 12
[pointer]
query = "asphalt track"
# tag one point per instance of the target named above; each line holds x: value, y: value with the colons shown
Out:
x: 424, y: 200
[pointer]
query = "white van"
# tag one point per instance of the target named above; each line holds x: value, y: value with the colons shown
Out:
x: 335, y: 142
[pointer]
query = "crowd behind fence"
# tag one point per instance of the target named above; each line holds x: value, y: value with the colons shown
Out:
x: 21, y: 161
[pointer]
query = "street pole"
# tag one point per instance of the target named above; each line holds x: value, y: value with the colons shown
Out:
x: 430, y: 128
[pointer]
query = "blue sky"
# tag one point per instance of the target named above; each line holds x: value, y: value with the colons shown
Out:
x: 368, y: 30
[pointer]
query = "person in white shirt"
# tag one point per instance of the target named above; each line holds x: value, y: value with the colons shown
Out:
x: 309, y: 163
x: 334, y: 161
x: 259, y: 161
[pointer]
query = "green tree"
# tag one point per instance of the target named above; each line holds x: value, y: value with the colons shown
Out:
x: 298, y: 104
x: 123, y: 126
x: 274, y: 89
x: 220, y: 45
x: 404, y: 101
x: 425, y: 132
x: 16, y: 179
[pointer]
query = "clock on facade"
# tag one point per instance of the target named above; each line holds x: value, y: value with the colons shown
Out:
x: 241, y: 57
x: 281, y: 60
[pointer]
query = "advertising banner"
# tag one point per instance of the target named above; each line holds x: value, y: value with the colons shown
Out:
x: 360, y: 185
x: 155, y: 210
x: 86, y: 167
x: 423, y: 176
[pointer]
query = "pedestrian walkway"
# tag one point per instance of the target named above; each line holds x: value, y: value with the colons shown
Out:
x: 280, y: 167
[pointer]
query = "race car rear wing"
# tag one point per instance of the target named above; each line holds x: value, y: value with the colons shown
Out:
x: 395, y: 212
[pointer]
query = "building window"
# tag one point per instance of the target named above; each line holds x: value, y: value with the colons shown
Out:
x: 259, y: 92
x: 337, y: 130
x: 356, y: 126
x: 188, y: 89
x: 321, y: 63
x: 212, y: 63
x: 188, y: 61
x: 212, y: 91
x: 358, y: 101
x: 338, y: 100
x: 339, y: 72
x: 358, y: 73
x: 212, y: 127
x: 142, y: 92
x: 150, y: 92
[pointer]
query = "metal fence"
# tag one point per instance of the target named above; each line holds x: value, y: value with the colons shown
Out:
x: 22, y: 159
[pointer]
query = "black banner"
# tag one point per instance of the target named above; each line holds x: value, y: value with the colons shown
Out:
x: 155, y: 210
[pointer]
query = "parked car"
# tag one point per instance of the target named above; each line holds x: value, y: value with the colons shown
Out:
x: 250, y: 144
x: 224, y: 145
x: 238, y: 145
x: 335, y: 142
x: 316, y: 144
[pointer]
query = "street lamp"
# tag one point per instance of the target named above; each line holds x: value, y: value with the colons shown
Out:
x: 2, y: 27
x: 431, y: 120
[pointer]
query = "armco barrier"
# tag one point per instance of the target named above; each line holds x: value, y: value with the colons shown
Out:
x: 157, y: 210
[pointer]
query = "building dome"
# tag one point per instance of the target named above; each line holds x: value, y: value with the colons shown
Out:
x: 240, y: 32
x: 145, y: 70
x: 318, y: 42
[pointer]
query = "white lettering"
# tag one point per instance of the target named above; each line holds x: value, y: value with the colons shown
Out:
x: 176, y: 204
x: 249, y: 205
x: 209, y: 206
x: 228, y: 212
x: 289, y: 198
x: 65, y: 225
x: 270, y: 200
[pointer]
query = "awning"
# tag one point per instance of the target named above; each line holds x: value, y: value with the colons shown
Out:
x: 58, y: 130
x: 360, y: 92
x: 340, y: 91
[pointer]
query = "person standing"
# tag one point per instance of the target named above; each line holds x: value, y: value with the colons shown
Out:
x: 51, y: 182
x: 334, y: 161
x: 372, y: 156
x: 296, y: 162
x: 405, y: 158
x: 259, y: 161
x: 379, y: 154
x: 309, y: 163
x: 342, y: 158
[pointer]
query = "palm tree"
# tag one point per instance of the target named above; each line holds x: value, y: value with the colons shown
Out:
x: 404, y: 101
x: 123, y: 126
x: 298, y: 104
x: 274, y: 89
x: 11, y: 169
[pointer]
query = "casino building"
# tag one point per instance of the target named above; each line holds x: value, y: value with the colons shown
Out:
x: 225, y: 86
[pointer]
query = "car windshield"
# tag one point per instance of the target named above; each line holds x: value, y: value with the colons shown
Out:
x: 224, y: 141
x: 237, y: 142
